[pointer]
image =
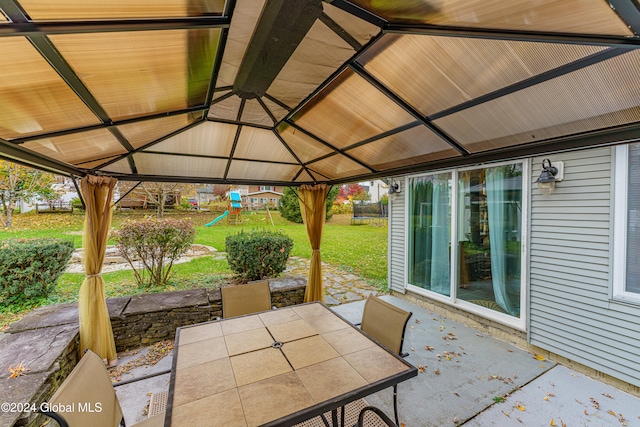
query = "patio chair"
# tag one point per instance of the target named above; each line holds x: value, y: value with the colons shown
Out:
x: 386, y: 323
x: 87, y: 398
x: 374, y: 417
x: 245, y: 299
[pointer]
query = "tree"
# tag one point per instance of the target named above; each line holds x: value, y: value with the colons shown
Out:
x: 157, y: 194
x: 19, y: 182
x: 352, y: 192
x: 290, y: 207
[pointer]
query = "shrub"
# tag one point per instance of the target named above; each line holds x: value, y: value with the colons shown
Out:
x: 76, y: 203
x: 289, y: 206
x: 29, y: 268
x: 258, y: 254
x: 341, y: 208
x: 152, y: 245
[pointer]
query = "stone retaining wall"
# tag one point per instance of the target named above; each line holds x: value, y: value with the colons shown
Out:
x: 46, y: 340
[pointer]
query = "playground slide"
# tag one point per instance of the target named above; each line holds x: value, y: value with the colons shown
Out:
x: 217, y: 219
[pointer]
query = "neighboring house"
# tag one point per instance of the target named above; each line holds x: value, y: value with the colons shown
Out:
x: 376, y: 189
x: 259, y: 196
x: 558, y: 273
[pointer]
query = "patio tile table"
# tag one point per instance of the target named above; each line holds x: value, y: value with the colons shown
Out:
x: 275, y: 368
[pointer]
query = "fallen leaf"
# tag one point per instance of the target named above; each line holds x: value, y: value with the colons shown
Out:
x: 607, y: 395
x: 441, y: 328
x: 412, y: 327
x: 413, y: 349
x: 519, y: 420
x: 585, y: 412
x: 539, y: 357
x: 429, y: 348
x: 543, y: 366
x: 563, y: 423
x: 456, y: 420
x: 506, y: 413
x: 545, y: 398
x: 519, y: 407
x: 421, y: 368
x: 18, y: 371
x: 552, y: 384
x: 552, y: 422
x: 610, y: 412
x: 417, y: 320
x: 456, y: 393
x: 551, y: 394
x: 437, y: 372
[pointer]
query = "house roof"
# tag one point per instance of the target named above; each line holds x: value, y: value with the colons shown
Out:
x: 285, y: 92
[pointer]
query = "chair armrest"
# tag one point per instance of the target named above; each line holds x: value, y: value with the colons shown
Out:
x: 56, y: 417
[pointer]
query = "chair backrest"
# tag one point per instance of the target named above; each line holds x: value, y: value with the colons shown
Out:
x: 385, y: 322
x: 86, y: 397
x: 374, y: 417
x: 245, y: 299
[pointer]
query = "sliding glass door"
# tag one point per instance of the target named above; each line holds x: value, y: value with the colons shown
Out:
x: 488, y: 235
x: 430, y: 239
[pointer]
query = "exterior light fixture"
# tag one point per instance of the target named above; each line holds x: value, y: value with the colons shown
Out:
x: 551, y: 173
x: 394, y: 188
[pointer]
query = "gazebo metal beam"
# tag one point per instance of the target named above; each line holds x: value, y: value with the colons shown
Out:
x: 537, y: 79
x: 613, y: 136
x: 526, y: 36
x: 359, y: 69
x: 334, y: 148
x: 107, y: 125
x: 15, y: 153
x: 628, y: 9
x: 358, y: 11
x: 22, y: 25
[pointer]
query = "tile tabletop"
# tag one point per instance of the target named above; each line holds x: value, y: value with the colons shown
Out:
x: 270, y: 368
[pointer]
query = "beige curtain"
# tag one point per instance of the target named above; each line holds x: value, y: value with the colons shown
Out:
x: 313, y: 199
x: 95, y: 326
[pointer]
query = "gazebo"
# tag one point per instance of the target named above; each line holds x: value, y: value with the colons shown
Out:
x: 308, y: 93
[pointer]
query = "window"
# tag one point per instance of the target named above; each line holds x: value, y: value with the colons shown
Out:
x: 626, y: 272
x: 267, y: 188
x: 480, y: 210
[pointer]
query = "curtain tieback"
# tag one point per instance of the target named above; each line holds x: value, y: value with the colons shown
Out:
x: 94, y: 275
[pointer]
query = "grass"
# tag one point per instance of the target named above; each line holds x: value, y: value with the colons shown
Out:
x: 361, y: 250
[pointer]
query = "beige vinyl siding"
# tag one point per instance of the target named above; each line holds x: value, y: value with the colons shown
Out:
x: 571, y: 312
x: 397, y: 248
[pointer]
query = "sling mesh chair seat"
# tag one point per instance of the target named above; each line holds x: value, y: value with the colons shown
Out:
x: 351, y: 413
x: 245, y: 299
x: 87, y: 398
x: 386, y: 323
x: 374, y: 417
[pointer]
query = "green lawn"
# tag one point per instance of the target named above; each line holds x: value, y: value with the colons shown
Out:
x: 360, y: 249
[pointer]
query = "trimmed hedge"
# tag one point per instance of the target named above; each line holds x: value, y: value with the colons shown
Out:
x: 258, y: 254
x: 30, y: 268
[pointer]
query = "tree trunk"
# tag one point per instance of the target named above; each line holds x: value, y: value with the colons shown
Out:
x: 161, y: 199
x: 9, y: 214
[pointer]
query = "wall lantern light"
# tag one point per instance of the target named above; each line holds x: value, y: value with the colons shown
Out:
x: 551, y: 173
x: 394, y: 187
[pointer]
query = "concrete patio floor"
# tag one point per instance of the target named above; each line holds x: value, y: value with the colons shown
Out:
x: 469, y: 379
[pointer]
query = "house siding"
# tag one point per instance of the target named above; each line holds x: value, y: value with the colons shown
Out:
x: 397, y: 248
x: 571, y: 312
